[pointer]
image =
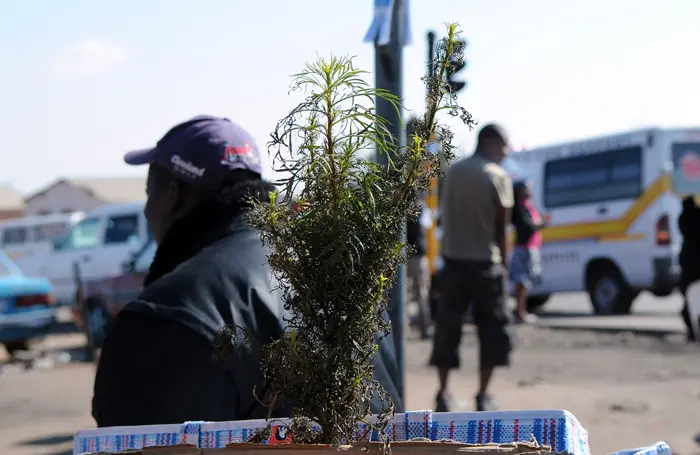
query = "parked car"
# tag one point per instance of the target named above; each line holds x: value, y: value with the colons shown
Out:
x: 27, y: 307
x: 98, y: 301
x: 106, y: 237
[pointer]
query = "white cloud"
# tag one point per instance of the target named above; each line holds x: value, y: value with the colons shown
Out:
x: 88, y: 59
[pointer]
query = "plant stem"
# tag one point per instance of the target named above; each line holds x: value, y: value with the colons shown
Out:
x: 330, y: 141
x: 433, y: 100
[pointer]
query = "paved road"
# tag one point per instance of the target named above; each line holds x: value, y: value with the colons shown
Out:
x: 626, y: 389
x: 649, y: 315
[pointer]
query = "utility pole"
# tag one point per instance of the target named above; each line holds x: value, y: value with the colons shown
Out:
x: 389, y: 76
x: 431, y: 53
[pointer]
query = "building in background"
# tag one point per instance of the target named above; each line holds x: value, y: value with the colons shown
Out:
x: 71, y: 195
x: 11, y: 203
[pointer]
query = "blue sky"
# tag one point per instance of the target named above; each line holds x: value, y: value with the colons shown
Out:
x: 84, y: 81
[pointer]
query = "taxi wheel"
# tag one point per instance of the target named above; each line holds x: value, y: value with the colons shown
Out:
x: 608, y: 291
x: 536, y: 302
x: 95, y: 321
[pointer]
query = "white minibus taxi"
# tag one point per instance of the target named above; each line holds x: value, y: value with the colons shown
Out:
x: 612, y: 203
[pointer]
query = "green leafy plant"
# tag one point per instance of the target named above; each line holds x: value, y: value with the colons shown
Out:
x: 339, y: 254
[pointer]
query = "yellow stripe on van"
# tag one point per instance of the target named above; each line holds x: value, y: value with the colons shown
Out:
x: 621, y: 238
x: 612, y: 228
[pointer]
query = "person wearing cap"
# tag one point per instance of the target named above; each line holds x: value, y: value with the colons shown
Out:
x: 475, y: 202
x: 210, y: 270
x: 525, y: 267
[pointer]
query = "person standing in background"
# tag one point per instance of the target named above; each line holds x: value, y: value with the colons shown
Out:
x: 476, y: 201
x: 689, y: 258
x: 418, y: 274
x: 525, y: 268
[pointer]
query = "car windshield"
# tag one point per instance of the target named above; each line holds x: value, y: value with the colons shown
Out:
x: 85, y: 234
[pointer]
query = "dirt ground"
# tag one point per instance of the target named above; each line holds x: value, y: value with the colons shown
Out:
x: 626, y: 390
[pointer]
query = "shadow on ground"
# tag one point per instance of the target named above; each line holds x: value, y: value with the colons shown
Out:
x: 563, y: 314
x: 545, y: 314
x: 51, y: 440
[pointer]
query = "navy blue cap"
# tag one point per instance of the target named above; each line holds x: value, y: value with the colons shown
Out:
x: 202, y: 150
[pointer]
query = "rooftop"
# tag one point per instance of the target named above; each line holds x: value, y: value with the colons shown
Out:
x: 112, y: 190
x: 10, y: 199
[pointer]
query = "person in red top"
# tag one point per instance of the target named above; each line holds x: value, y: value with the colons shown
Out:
x: 525, y: 266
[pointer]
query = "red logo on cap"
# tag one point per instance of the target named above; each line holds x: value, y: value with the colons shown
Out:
x: 232, y: 154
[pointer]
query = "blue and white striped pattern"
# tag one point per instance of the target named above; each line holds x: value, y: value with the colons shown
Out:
x: 556, y: 428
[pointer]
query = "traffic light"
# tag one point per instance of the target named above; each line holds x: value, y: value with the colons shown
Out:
x: 410, y: 129
x: 454, y: 68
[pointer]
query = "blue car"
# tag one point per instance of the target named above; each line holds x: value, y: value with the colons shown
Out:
x: 27, y: 307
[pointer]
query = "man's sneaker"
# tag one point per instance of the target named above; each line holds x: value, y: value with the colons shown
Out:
x: 527, y: 318
x: 443, y: 403
x: 485, y: 403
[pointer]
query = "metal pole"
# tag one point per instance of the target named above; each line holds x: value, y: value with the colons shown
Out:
x: 389, y: 76
x: 431, y: 52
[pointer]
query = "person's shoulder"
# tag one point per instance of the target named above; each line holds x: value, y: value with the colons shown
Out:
x: 465, y: 167
x: 497, y: 171
x: 237, y: 256
x: 229, y: 272
x: 478, y: 166
x: 497, y: 175
x: 471, y: 161
x: 220, y: 268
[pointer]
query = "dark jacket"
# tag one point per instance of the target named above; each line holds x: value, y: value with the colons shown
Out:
x: 156, y: 364
x: 689, y: 258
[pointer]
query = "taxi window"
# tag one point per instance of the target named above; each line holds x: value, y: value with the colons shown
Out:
x: 14, y: 236
x: 593, y: 178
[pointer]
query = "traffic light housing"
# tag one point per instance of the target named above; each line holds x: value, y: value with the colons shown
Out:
x: 410, y: 129
x: 454, y: 68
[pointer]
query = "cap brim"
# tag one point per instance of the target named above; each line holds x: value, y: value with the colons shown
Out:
x: 139, y: 157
